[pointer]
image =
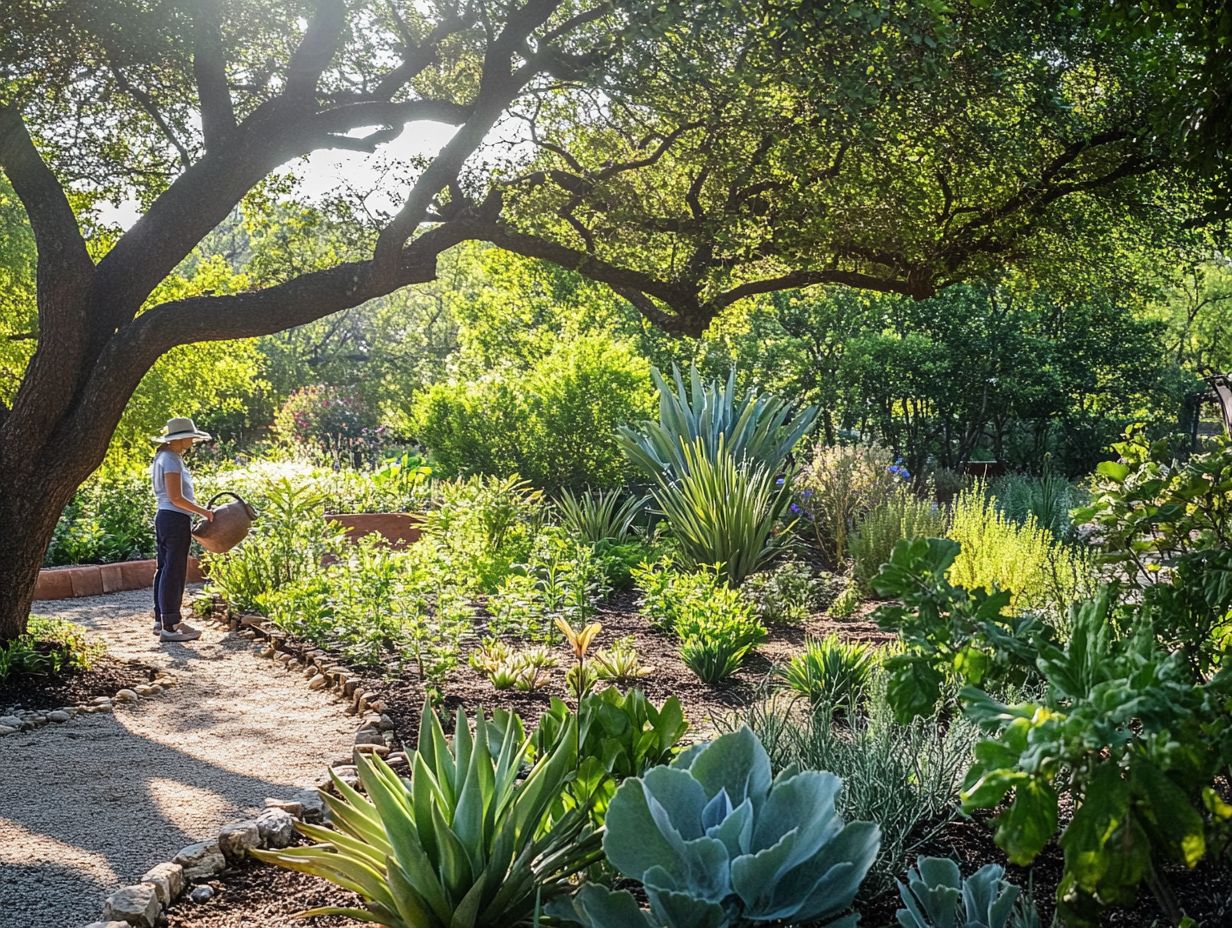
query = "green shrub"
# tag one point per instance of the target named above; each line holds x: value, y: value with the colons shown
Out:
x: 709, y: 416
x: 481, y: 528
x: 465, y: 843
x: 837, y: 487
x: 725, y: 512
x: 715, y: 841
x: 49, y: 646
x: 1049, y: 500
x: 785, y: 594
x: 554, y: 423
x: 907, y: 778
x: 1039, y: 572
x: 560, y: 579
x: 618, y: 560
x: 715, y: 624
x: 287, y: 543
x: 901, y: 515
x: 622, y: 735
x: 831, y: 672
x: 596, y: 516
x: 110, y: 518
x: 619, y: 662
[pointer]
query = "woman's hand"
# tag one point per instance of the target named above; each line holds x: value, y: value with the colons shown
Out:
x: 208, y: 515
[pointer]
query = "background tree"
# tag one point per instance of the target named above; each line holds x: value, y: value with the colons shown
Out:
x: 688, y: 156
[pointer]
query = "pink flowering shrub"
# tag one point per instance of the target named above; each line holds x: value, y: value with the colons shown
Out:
x: 327, y: 417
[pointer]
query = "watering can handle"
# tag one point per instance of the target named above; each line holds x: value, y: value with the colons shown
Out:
x: 218, y: 496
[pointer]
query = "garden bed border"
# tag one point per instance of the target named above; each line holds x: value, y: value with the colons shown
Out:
x: 141, y: 904
x: 30, y: 719
x: 96, y: 579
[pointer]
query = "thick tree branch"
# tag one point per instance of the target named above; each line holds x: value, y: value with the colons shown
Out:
x: 418, y: 58
x: 210, y: 71
x: 315, y: 51
x: 64, y: 265
x: 146, y: 102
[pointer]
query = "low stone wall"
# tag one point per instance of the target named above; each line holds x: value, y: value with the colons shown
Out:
x: 96, y: 579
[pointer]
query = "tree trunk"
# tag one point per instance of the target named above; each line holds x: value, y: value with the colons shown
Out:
x: 37, y: 486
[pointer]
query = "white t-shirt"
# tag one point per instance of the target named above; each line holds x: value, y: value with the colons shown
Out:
x: 168, y: 462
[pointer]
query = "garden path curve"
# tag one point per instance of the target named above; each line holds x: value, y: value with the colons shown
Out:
x: 90, y: 805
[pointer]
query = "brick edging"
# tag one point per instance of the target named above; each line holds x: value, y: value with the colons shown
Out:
x: 97, y: 579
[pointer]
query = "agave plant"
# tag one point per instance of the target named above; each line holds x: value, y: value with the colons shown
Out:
x: 725, y: 511
x: 465, y: 843
x: 937, y: 896
x: 761, y: 429
x: 717, y: 843
x: 599, y: 515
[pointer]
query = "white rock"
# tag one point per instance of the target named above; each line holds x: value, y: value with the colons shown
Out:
x: 8, y: 730
x: 201, y: 860
x: 11, y: 721
x: 277, y: 827
x: 237, y: 839
x: 58, y: 716
x: 318, y: 683
x: 126, y: 695
x: 102, y: 707
x: 108, y: 925
x: 291, y: 807
x: 137, y: 905
x: 167, y: 880
x: 101, y: 700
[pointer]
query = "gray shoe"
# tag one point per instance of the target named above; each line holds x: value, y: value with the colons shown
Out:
x: 158, y: 628
x: 181, y: 633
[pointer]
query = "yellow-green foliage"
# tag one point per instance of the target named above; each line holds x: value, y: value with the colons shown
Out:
x: 1043, y: 574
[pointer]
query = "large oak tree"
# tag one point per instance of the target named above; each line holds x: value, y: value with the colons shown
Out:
x: 687, y: 155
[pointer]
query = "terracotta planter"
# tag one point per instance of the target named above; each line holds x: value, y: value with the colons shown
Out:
x: 95, y: 579
x: 399, y: 529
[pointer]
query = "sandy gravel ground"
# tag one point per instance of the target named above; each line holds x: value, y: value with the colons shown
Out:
x: 90, y: 805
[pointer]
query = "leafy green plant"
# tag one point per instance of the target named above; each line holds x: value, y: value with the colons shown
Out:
x: 49, y: 646
x: 594, y: 516
x: 287, y: 542
x: 900, y: 515
x: 709, y: 416
x: 906, y: 777
x: 617, y: 561
x: 936, y: 895
x: 847, y: 601
x: 837, y: 487
x: 621, y: 735
x: 715, y: 841
x: 465, y: 843
x: 619, y: 662
x: 831, y: 671
x: 491, y: 654
x: 1133, y: 741
x: 786, y: 594
x: 949, y: 634
x: 107, y: 520
x: 725, y: 511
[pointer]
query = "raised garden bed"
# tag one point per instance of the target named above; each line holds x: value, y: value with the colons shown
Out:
x: 97, y: 579
x: 398, y: 528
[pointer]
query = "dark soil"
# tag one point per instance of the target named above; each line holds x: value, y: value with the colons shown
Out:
x: 254, y: 895
x: 105, y: 677
x: 403, y: 694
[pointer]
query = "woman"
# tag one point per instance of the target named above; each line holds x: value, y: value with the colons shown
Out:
x: 173, y: 526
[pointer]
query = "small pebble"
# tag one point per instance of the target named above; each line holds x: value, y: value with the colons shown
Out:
x: 201, y: 894
x: 58, y: 715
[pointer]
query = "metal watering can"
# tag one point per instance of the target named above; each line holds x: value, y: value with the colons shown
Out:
x: 230, y: 526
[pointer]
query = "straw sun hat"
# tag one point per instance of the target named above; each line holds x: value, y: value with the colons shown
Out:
x: 181, y: 427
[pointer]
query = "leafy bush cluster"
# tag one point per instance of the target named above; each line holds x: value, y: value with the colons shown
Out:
x: 838, y: 487
x: 49, y: 646
x: 321, y: 416
x: 1131, y: 731
x: 715, y: 624
x: 109, y: 519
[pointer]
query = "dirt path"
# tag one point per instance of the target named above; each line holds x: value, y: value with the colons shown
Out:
x: 90, y: 805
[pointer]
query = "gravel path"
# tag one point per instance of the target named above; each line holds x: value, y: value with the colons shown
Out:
x: 90, y: 805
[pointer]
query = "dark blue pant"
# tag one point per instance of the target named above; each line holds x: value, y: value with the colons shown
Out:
x: 174, y: 533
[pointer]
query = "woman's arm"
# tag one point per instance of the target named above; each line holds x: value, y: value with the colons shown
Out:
x: 175, y: 493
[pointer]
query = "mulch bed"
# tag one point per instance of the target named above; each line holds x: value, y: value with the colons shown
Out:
x: 403, y: 694
x: 72, y: 688
x: 255, y: 894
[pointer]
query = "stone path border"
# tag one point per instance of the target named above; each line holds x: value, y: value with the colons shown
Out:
x: 141, y: 904
x: 19, y: 720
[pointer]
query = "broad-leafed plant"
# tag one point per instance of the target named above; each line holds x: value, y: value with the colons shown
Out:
x: 465, y: 843
x: 716, y: 842
x: 936, y: 895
